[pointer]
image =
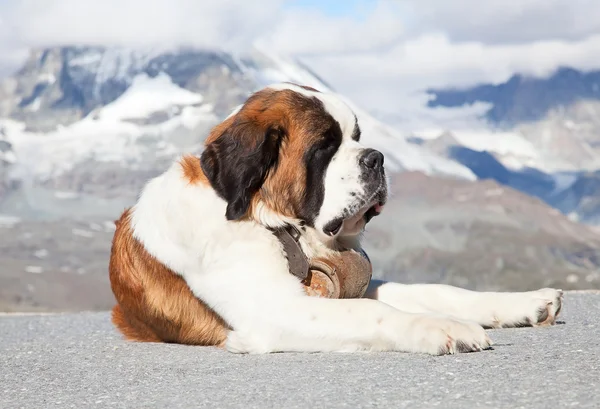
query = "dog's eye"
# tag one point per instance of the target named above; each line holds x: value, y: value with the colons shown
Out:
x: 325, y: 146
x: 325, y: 150
x: 328, y: 143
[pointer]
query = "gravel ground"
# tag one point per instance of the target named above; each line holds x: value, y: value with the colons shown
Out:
x: 79, y: 361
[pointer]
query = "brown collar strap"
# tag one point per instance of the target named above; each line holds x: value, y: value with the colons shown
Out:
x: 289, y: 237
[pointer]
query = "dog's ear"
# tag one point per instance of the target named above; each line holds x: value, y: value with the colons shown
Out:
x: 238, y: 161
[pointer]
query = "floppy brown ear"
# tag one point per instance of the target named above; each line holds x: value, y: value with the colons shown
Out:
x: 237, y: 162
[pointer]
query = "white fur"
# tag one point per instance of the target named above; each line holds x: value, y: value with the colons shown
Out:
x: 489, y: 309
x: 342, y: 179
x: 343, y: 186
x: 239, y: 270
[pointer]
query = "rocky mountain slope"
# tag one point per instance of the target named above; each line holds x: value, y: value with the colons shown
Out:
x: 542, y: 138
x: 479, y: 235
x: 83, y: 128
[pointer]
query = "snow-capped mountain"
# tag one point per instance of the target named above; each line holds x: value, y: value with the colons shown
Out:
x: 93, y: 123
x: 540, y: 136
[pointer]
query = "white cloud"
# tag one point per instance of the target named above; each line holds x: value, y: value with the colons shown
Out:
x: 306, y: 31
x: 228, y: 23
x: 502, y: 21
x: 434, y: 61
x: 417, y: 44
x: 380, y: 57
x: 231, y: 24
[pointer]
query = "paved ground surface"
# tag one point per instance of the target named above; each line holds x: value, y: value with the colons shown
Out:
x: 78, y: 360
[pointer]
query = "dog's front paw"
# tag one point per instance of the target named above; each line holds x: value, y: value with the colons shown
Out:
x: 243, y: 343
x: 550, y: 303
x: 531, y: 308
x: 441, y: 336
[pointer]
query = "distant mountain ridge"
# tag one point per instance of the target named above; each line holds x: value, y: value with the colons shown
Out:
x: 542, y: 137
x: 523, y: 98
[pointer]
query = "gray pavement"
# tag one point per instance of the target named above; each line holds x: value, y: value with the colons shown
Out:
x: 80, y: 361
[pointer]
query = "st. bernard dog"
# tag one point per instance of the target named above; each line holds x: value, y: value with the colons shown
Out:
x: 195, y: 260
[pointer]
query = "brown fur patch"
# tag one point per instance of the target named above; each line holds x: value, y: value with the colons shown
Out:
x: 192, y: 170
x: 155, y: 304
x: 303, y: 121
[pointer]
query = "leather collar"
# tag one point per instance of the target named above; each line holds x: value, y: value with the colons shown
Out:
x: 289, y: 237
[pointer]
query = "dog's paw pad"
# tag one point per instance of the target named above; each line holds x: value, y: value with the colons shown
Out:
x: 547, y: 313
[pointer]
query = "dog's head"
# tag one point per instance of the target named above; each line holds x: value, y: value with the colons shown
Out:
x: 293, y: 153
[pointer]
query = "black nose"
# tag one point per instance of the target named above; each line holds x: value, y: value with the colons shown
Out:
x: 372, y: 159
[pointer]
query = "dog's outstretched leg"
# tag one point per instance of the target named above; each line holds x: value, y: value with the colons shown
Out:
x: 309, y: 324
x: 488, y: 309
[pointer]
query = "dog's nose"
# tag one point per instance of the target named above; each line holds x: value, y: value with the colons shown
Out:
x: 372, y: 159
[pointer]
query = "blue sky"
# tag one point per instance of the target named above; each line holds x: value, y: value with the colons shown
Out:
x: 335, y: 8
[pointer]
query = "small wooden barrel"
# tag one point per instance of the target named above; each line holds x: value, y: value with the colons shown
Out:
x: 346, y: 275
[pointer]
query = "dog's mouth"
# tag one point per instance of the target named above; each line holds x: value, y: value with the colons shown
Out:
x: 373, y: 211
x: 354, y: 218
x: 374, y: 207
x: 355, y: 221
x: 367, y: 212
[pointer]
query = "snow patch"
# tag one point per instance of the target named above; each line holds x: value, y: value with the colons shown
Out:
x: 503, y: 143
x: 82, y: 233
x: 493, y: 192
x: 147, y: 95
x: 10, y: 126
x: 512, y: 149
x: 563, y: 181
x: 88, y: 58
x: 41, y: 253
x: 35, y: 105
x: 34, y: 269
x: 7, y: 221
x: 189, y: 117
x: 53, y: 153
x: 8, y: 157
x: 48, y: 78
x: 65, y: 195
